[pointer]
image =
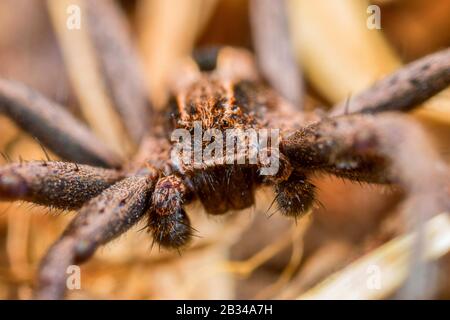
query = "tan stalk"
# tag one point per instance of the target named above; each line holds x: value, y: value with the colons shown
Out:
x: 342, y: 56
x: 245, y: 268
x: 83, y: 70
x: 381, y: 272
x: 167, y: 32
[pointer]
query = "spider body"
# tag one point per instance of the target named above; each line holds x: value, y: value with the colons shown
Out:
x: 212, y: 103
x: 215, y: 103
x: 112, y: 195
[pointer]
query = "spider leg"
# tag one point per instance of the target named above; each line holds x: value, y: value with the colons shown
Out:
x: 168, y: 222
x: 120, y: 65
x: 101, y: 220
x: 273, y: 49
x: 295, y: 196
x: 54, y: 184
x: 387, y: 148
x: 381, y: 148
x: 404, y: 89
x: 53, y: 126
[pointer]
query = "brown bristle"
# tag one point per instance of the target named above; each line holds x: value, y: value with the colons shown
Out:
x: 295, y: 196
x: 172, y: 230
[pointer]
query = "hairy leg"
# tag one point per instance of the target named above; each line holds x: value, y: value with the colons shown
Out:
x: 356, y: 144
x: 101, y: 220
x: 383, y: 148
x: 295, y: 196
x: 53, y: 126
x: 168, y: 222
x: 54, y: 184
x: 404, y: 89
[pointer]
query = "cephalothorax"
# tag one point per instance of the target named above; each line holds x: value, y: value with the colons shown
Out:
x: 360, y: 144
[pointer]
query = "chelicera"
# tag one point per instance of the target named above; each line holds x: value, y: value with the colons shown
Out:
x: 367, y: 142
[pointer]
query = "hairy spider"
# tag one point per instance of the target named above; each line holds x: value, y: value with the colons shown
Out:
x: 360, y: 142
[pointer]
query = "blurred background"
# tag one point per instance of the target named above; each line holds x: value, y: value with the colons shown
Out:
x: 356, y: 231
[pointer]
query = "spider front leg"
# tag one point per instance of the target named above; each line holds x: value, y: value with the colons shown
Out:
x: 295, y: 196
x: 101, y: 220
x: 54, y: 184
x: 168, y: 221
x: 387, y: 148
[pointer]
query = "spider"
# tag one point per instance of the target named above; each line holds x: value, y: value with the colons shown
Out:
x: 361, y: 141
